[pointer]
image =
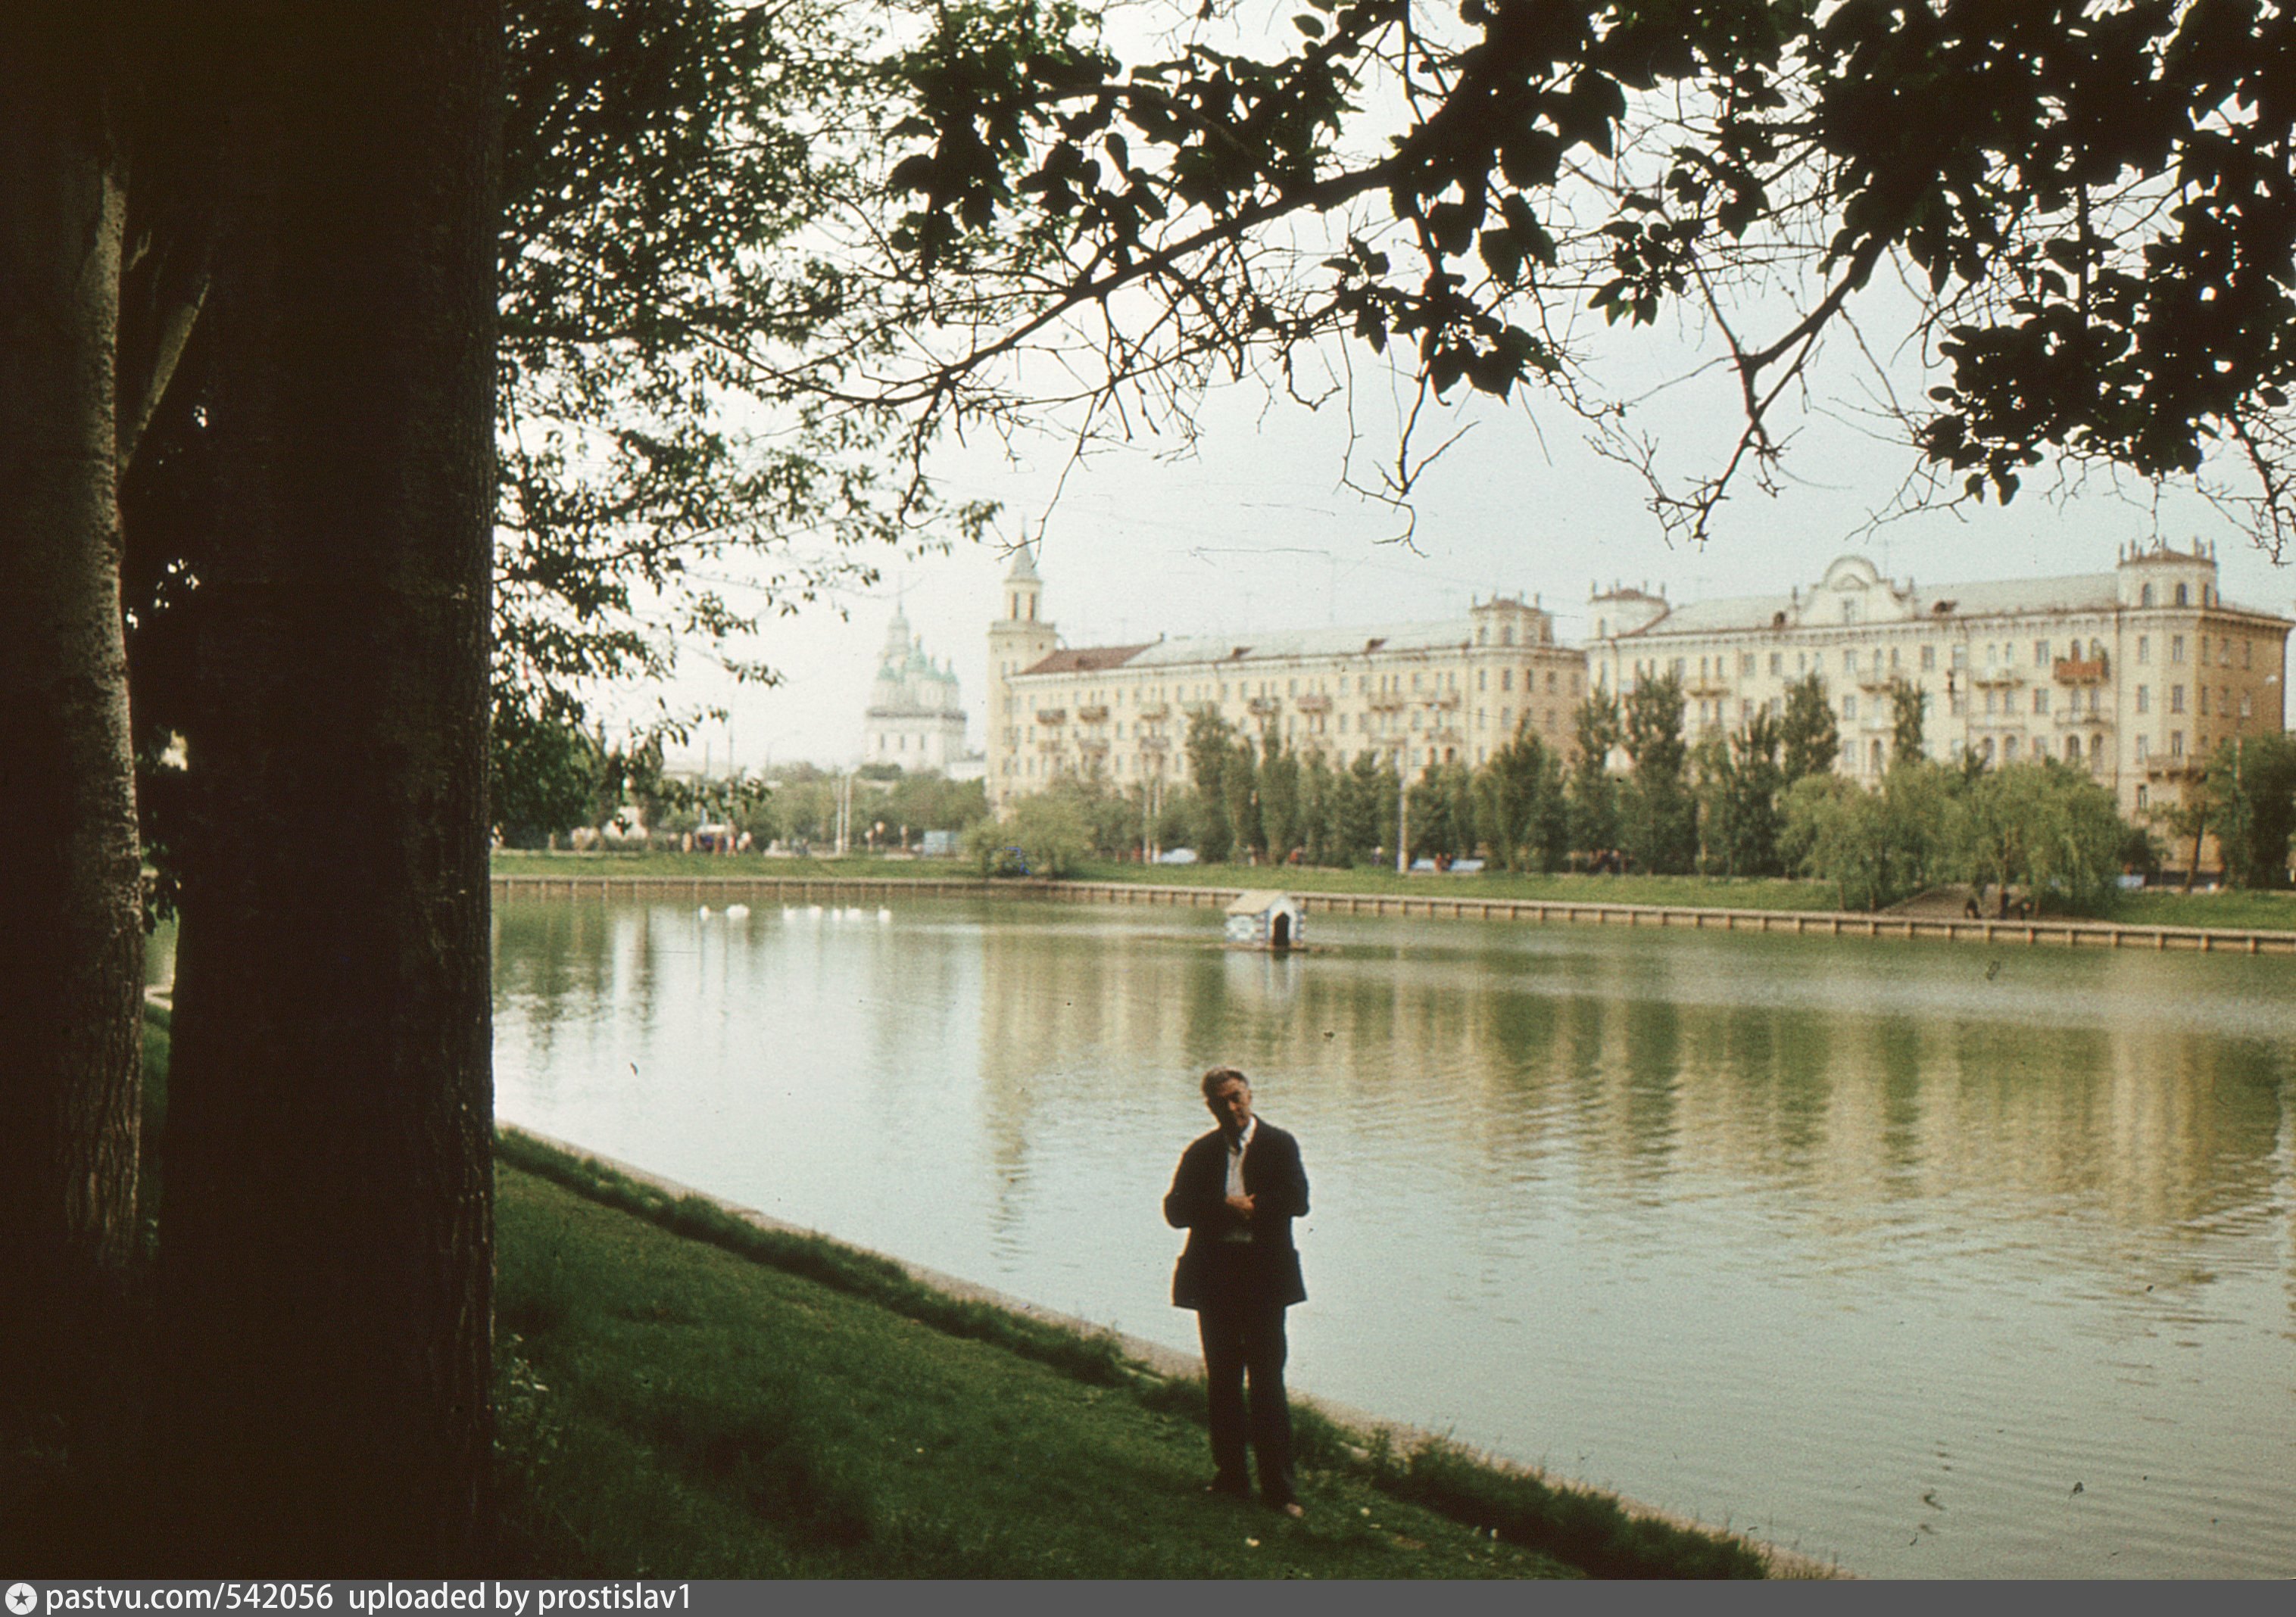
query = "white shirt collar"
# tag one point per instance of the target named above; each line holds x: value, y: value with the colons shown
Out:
x: 1244, y: 1139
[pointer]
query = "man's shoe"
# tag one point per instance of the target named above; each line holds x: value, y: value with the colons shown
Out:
x: 1293, y: 1509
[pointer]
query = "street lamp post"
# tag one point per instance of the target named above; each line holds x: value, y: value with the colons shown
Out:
x: 1426, y: 704
x: 1402, y: 808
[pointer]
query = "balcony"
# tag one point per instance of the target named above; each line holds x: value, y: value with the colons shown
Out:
x: 1384, y: 701
x: 1313, y: 703
x: 1096, y: 715
x: 1705, y: 685
x: 1052, y: 715
x: 2084, y: 720
x: 1095, y: 745
x: 1263, y: 706
x: 1155, y: 711
x: 1999, y: 676
x: 1154, y: 744
x: 2067, y: 671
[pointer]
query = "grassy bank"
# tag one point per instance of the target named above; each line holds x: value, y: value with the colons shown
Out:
x: 2159, y: 907
x: 1690, y: 890
x: 2238, y: 911
x: 685, y: 1392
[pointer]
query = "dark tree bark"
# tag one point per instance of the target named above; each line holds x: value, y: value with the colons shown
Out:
x: 71, y: 935
x: 327, y: 1252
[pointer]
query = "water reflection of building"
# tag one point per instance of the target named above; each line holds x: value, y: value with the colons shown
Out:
x: 1832, y: 1074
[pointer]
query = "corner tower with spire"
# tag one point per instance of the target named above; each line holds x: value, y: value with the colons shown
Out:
x: 1017, y: 642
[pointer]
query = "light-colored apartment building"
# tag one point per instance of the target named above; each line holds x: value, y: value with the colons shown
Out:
x: 2135, y: 674
x: 1421, y: 693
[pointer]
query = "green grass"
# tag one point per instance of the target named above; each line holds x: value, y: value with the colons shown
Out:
x: 1696, y: 890
x: 159, y: 1023
x: 826, y: 1262
x: 2235, y: 909
x: 684, y: 1394
x: 671, y: 1408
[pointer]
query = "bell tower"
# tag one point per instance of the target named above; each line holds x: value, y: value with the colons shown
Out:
x: 1018, y: 639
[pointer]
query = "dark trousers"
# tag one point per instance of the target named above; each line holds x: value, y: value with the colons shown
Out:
x: 1245, y: 1338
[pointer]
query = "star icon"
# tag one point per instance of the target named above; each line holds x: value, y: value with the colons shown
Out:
x: 22, y: 1597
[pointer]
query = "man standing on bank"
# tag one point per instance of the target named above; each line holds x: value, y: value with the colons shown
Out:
x: 1236, y: 1192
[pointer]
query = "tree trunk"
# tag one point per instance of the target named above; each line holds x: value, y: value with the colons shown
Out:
x: 327, y: 1252
x: 71, y: 934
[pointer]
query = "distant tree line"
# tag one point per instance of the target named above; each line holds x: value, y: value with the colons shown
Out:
x: 800, y: 806
x: 1762, y: 801
x: 553, y: 779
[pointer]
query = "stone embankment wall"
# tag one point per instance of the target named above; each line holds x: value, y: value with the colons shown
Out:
x: 1835, y: 923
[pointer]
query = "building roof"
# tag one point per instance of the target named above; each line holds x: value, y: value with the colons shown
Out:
x: 1450, y: 634
x: 1085, y: 659
x: 1205, y: 650
x: 1718, y: 616
x: 2071, y: 593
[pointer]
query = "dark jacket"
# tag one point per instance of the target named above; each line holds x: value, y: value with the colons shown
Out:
x: 1197, y: 1203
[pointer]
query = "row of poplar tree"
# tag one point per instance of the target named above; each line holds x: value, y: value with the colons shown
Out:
x: 1678, y: 808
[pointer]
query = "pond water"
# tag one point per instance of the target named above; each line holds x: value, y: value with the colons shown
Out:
x: 1932, y: 1259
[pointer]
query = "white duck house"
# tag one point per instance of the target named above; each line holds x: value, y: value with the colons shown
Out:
x: 1266, y: 920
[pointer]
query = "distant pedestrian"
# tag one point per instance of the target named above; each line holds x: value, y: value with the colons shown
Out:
x: 1236, y: 1192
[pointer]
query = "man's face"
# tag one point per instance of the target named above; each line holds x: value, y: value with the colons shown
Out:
x: 1231, y: 1106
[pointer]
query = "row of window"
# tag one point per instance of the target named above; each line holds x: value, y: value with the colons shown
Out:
x: 1425, y: 682
x: 1369, y: 724
x: 2177, y: 700
x: 1873, y: 753
x: 1998, y: 654
x: 2001, y: 703
x: 1413, y: 757
x: 2009, y: 748
x: 2184, y: 595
